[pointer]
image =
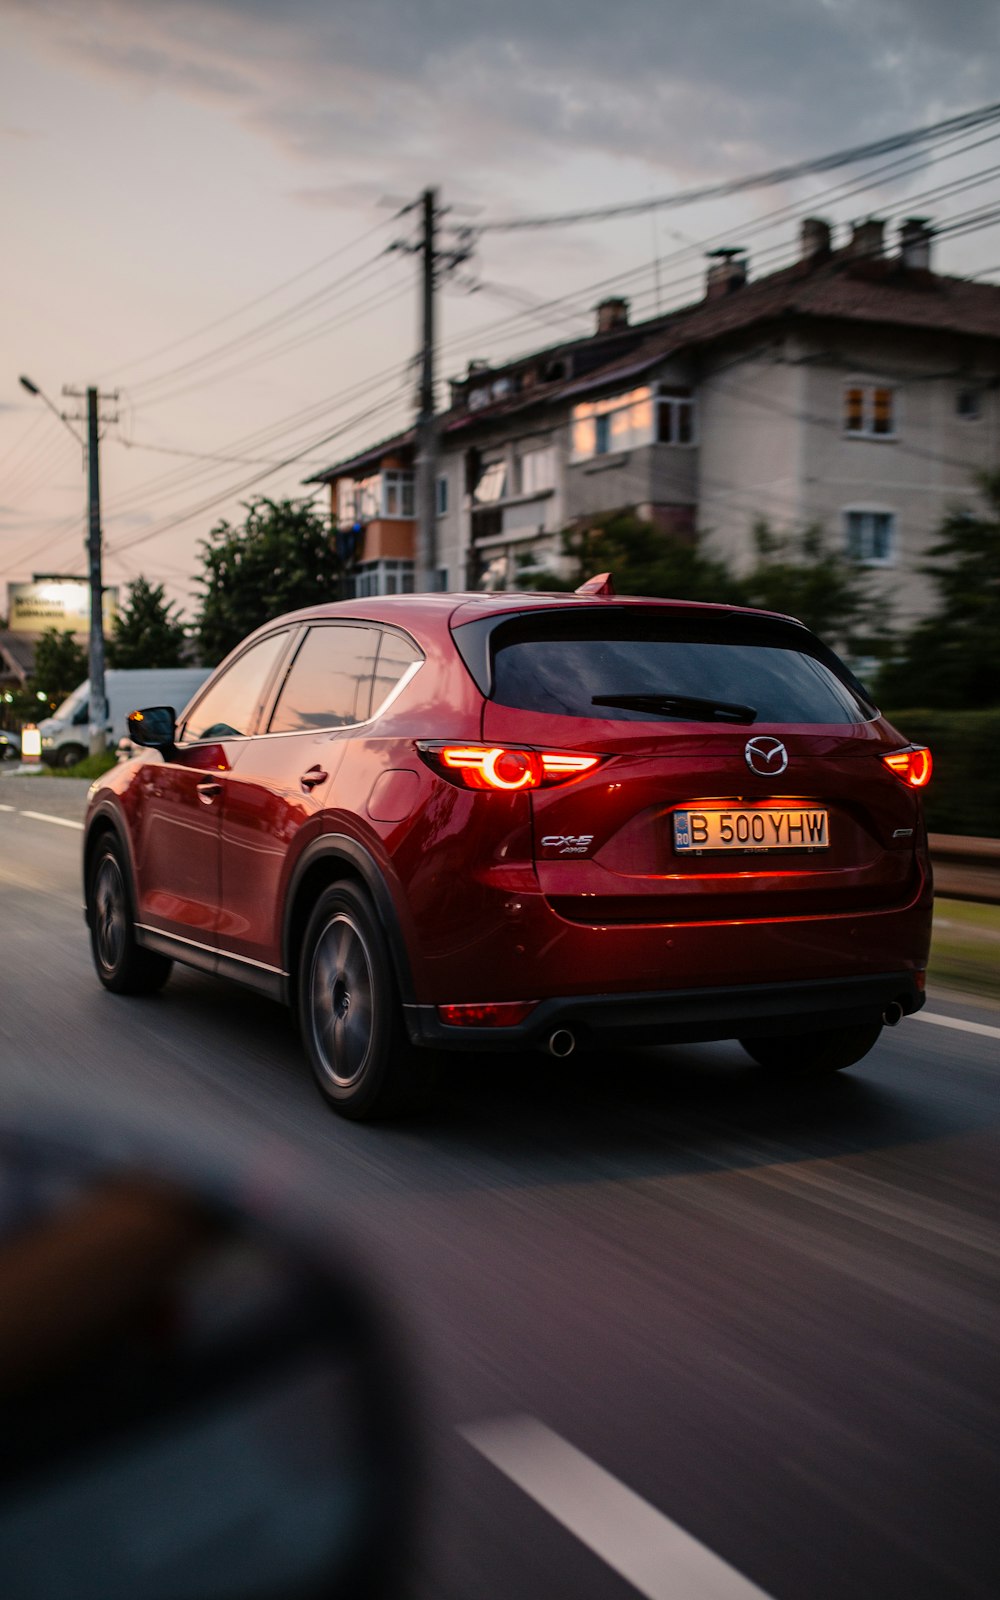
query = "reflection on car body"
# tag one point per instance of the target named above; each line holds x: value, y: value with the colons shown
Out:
x: 492, y: 821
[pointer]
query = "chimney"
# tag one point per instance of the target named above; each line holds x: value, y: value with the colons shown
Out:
x: 727, y: 271
x: 867, y: 238
x: 915, y: 235
x: 612, y: 314
x: 815, y: 239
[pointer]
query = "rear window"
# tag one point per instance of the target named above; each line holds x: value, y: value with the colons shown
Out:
x: 718, y: 664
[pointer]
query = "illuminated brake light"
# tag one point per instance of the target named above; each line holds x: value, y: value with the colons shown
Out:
x: 498, y: 1014
x: 508, y: 770
x: 495, y: 768
x: 912, y: 766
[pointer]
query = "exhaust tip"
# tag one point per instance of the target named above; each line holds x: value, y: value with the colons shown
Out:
x: 561, y: 1042
x: 892, y: 1014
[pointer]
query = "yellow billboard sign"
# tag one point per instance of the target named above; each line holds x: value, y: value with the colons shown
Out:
x: 60, y: 603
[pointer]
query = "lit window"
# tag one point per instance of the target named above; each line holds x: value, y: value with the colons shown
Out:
x: 870, y: 536
x: 619, y: 422
x: 869, y: 410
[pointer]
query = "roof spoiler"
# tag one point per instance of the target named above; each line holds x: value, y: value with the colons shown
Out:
x: 602, y: 586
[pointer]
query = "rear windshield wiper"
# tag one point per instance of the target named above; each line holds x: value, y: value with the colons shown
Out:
x: 679, y: 705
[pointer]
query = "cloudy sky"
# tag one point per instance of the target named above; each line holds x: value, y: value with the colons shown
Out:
x: 199, y: 196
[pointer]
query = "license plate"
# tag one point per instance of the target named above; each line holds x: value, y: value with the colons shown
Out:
x: 742, y: 828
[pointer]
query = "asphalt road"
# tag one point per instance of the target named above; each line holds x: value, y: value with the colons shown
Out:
x: 764, y: 1318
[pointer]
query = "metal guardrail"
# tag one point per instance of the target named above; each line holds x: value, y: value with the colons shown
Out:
x: 965, y: 868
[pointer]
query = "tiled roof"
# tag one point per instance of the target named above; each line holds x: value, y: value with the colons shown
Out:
x: 838, y: 287
x: 366, y: 458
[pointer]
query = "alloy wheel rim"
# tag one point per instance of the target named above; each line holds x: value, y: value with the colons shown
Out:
x: 109, y: 913
x: 340, y: 996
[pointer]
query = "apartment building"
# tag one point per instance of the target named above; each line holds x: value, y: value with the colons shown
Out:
x: 857, y: 389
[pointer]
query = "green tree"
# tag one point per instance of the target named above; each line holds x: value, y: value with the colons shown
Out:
x: 147, y: 633
x: 799, y: 575
x: 642, y: 559
x: 60, y: 664
x: 952, y: 658
x: 281, y: 558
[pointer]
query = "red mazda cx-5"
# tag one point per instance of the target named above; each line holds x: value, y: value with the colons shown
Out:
x: 491, y: 821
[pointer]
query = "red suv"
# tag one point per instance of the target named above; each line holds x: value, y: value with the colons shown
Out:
x: 495, y: 821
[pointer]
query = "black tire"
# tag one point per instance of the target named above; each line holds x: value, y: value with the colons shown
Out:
x: 810, y: 1055
x: 69, y: 755
x: 349, y: 1013
x: 123, y: 966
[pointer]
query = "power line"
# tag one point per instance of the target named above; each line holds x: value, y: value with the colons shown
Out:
x: 252, y: 335
x: 760, y: 180
x: 249, y: 483
x: 248, y: 305
x: 306, y: 336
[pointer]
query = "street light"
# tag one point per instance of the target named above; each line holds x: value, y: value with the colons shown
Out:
x: 32, y: 388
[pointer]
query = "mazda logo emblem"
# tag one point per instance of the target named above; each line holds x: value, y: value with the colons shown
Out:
x: 766, y: 756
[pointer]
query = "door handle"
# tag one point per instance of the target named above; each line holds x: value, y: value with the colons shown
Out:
x: 208, y: 790
x: 314, y: 776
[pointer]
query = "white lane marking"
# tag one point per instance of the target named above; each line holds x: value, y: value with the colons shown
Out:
x: 60, y: 822
x: 960, y: 1023
x: 638, y: 1542
x: 8, y: 808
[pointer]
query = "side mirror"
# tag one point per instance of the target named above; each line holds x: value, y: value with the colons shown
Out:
x: 193, y: 1400
x: 155, y: 726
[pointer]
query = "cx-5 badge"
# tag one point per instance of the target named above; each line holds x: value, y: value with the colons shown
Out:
x: 766, y: 756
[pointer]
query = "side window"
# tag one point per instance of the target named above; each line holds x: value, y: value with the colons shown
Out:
x: 329, y: 684
x: 396, y: 656
x: 228, y: 709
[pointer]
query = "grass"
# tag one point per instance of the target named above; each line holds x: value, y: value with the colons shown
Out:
x: 90, y: 767
x: 965, y: 953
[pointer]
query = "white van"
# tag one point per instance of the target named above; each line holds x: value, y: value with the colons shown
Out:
x: 66, y: 736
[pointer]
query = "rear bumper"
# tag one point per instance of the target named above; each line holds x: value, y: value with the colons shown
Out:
x: 685, y: 1016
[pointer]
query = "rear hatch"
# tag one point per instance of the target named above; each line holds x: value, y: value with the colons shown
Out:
x: 740, y: 776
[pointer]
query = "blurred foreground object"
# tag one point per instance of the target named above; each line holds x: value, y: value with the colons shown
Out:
x: 195, y: 1404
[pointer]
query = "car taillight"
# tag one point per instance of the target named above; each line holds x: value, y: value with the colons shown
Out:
x: 505, y: 768
x: 912, y: 766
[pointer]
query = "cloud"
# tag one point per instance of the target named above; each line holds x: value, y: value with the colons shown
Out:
x: 390, y: 92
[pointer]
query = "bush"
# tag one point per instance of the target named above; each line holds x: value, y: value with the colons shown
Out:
x: 90, y: 767
x: 964, y: 791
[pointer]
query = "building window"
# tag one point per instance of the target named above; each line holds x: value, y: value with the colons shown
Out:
x: 397, y: 494
x: 619, y: 422
x: 534, y: 471
x: 382, y: 577
x: 969, y: 405
x: 492, y: 485
x: 441, y: 496
x: 384, y: 494
x: 675, y: 417
x: 869, y: 411
x: 870, y: 536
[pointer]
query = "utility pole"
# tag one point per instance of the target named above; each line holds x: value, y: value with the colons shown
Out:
x: 435, y: 264
x: 98, y: 692
x: 425, y: 576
